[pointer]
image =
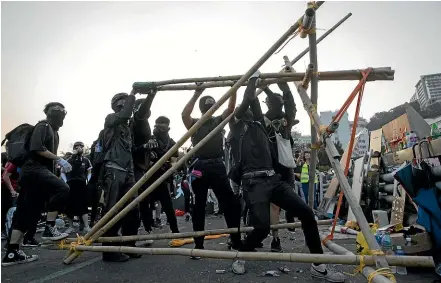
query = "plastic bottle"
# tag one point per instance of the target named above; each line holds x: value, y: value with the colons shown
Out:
x: 386, y: 247
x: 400, y: 269
x: 408, y: 140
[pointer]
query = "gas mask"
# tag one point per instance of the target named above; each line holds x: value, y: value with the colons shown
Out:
x: 78, y: 148
x: 205, y: 103
x: 55, y: 116
x: 161, y: 131
x: 274, y: 104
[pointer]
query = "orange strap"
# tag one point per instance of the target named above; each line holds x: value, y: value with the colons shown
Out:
x: 359, y: 89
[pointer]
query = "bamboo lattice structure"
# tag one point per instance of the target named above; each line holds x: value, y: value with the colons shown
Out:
x: 107, y: 222
x: 301, y: 82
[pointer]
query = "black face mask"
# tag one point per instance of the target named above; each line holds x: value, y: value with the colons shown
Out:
x: 56, y: 118
x: 205, y: 103
x: 163, y: 135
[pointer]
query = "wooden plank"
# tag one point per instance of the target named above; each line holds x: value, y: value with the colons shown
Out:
x: 357, y: 184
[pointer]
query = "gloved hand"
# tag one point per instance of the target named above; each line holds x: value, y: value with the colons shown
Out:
x: 64, y: 165
x: 151, y: 144
x: 255, y: 76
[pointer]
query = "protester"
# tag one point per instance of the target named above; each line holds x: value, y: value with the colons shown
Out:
x: 304, y: 177
x: 210, y: 168
x: 279, y: 124
x: 253, y: 167
x: 158, y: 145
x: 95, y: 192
x: 40, y: 184
x: 77, y: 180
x: 117, y: 170
x: 9, y: 187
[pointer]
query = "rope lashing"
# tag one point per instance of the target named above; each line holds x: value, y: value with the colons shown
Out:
x: 72, y: 246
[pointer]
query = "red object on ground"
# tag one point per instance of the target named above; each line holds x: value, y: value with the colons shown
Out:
x: 179, y: 212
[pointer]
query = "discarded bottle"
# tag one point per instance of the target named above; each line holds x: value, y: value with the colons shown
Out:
x: 400, y: 269
x: 386, y: 242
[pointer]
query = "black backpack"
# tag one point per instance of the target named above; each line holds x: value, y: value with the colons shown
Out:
x: 99, y: 150
x: 18, y: 144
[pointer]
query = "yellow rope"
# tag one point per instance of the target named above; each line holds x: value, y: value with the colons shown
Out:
x: 72, y: 246
x: 386, y: 272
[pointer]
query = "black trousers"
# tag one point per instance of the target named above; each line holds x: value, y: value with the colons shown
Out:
x: 41, y: 188
x: 32, y: 230
x: 77, y: 201
x: 94, y: 196
x: 161, y: 194
x: 287, y: 175
x: 214, y: 176
x: 115, y: 184
x: 187, y: 198
x: 259, y: 193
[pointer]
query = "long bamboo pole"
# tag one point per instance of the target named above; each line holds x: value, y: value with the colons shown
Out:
x: 367, y: 270
x: 333, y: 155
x: 382, y: 73
x: 195, y: 233
x: 314, y: 99
x: 98, y: 228
x: 411, y: 261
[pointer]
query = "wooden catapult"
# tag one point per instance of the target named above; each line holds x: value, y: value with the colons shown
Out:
x: 320, y: 135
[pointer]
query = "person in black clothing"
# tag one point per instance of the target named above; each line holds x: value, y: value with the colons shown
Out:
x: 160, y: 142
x: 141, y: 133
x: 94, y: 190
x: 117, y: 172
x: 77, y: 180
x: 254, y: 168
x: 211, y: 165
x: 37, y: 179
x: 278, y: 122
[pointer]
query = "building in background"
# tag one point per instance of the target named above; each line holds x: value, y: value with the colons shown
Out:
x: 362, y: 132
x: 428, y: 90
x: 436, y: 121
x: 300, y: 141
x: 342, y: 134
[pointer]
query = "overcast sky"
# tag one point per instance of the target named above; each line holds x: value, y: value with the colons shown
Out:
x: 82, y: 53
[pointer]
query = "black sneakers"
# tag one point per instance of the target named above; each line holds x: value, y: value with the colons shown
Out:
x: 30, y: 243
x: 276, y: 246
x: 14, y: 257
x: 52, y: 233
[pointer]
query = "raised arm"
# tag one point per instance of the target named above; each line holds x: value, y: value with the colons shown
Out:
x: 288, y: 101
x: 250, y: 100
x: 231, y: 106
x: 144, y: 109
x: 123, y: 115
x: 186, y: 113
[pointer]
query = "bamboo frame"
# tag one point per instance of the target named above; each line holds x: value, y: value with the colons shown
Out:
x: 411, y: 261
x: 381, y: 73
x: 314, y: 97
x: 367, y: 270
x: 333, y: 155
x: 101, y: 227
x: 170, y: 236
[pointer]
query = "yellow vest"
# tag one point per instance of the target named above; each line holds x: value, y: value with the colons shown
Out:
x: 304, y: 176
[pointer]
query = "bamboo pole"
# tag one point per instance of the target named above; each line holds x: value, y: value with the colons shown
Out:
x: 411, y: 261
x: 382, y: 73
x: 314, y: 98
x: 334, y: 156
x: 100, y: 228
x: 367, y: 270
x: 195, y: 233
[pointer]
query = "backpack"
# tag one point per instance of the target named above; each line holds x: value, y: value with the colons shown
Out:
x: 99, y: 150
x: 18, y: 144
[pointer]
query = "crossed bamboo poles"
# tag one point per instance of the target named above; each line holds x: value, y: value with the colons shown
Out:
x: 107, y: 221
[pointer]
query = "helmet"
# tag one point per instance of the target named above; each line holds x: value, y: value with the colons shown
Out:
x: 117, y: 97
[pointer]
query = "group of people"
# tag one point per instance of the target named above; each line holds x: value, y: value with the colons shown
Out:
x: 260, y: 172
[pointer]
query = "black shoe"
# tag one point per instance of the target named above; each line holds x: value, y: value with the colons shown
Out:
x: 30, y: 243
x: 197, y: 257
x: 157, y: 223
x: 17, y: 257
x: 52, y: 233
x: 276, y: 246
x: 115, y: 257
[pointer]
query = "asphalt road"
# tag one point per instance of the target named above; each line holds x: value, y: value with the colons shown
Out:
x: 89, y: 267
